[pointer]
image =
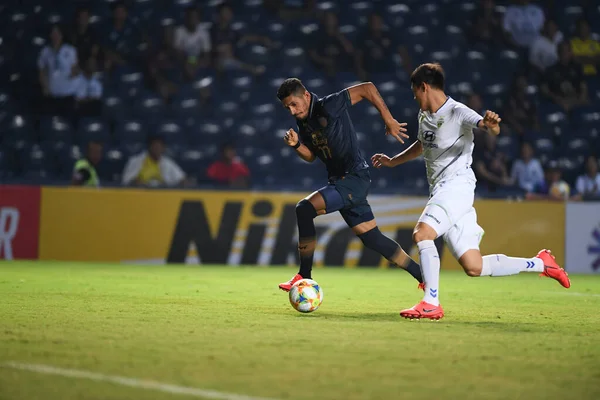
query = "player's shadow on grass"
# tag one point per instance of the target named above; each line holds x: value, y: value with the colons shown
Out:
x: 358, y: 316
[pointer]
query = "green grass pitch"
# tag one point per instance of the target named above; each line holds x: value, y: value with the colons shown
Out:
x: 231, y: 330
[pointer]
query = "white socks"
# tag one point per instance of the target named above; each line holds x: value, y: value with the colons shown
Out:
x: 501, y: 265
x: 430, y: 266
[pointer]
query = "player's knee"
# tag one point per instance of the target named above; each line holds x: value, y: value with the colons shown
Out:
x: 473, y: 271
x: 305, y: 210
x: 420, y: 234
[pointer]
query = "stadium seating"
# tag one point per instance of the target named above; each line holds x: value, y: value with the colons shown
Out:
x: 243, y: 109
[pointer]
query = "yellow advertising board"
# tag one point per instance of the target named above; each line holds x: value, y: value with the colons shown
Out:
x: 215, y: 227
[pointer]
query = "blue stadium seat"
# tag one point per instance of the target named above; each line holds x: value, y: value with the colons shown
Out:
x: 131, y: 131
x: 55, y: 129
x: 20, y: 131
x: 92, y: 129
x: 194, y: 163
x: 115, y: 109
x: 150, y: 107
x: 171, y: 131
x: 112, y: 165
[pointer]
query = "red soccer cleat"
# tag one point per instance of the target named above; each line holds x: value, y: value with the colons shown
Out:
x: 423, y: 310
x: 421, y: 286
x: 287, y: 286
x: 552, y: 269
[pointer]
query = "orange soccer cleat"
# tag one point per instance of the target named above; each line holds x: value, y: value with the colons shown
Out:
x: 423, y: 310
x: 287, y: 286
x: 552, y: 269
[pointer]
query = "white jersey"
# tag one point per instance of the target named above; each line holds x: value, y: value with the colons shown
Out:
x: 447, y: 139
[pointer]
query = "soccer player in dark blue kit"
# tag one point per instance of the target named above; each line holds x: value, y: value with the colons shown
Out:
x: 326, y: 132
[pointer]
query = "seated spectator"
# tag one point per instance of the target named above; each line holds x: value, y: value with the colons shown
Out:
x: 486, y: 26
x: 376, y: 50
x: 84, y: 171
x: 520, y: 112
x: 523, y: 22
x: 527, y: 171
x: 564, y: 83
x: 224, y: 41
x: 88, y: 92
x: 230, y: 170
x: 330, y: 49
x: 490, y: 164
x: 152, y: 168
x: 163, y: 63
x: 193, y: 40
x: 543, y: 52
x: 58, y: 69
x: 121, y: 38
x: 553, y: 187
x: 83, y: 37
x: 588, y: 184
x: 586, y: 50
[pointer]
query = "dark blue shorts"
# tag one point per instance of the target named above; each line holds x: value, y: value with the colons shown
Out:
x: 348, y: 195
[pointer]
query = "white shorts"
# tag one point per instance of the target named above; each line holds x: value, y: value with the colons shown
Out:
x: 451, y: 214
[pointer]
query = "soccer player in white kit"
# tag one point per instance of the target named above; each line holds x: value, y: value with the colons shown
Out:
x: 445, y: 139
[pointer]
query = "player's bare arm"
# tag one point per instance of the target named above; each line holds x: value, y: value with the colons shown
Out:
x: 368, y: 91
x: 291, y: 139
x: 381, y: 160
x: 490, y: 122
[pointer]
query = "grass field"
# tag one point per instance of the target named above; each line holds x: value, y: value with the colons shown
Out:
x: 231, y: 330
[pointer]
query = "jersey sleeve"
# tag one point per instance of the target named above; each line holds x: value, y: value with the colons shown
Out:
x: 468, y: 117
x: 337, y: 103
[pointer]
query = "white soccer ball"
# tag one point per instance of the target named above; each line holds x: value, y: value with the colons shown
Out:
x: 306, y: 295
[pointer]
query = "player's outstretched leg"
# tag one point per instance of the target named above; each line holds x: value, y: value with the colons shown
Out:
x: 430, y: 306
x: 305, y: 215
x: 502, y: 265
x: 392, y: 251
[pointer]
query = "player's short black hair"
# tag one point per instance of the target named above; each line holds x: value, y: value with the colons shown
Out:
x: 291, y: 86
x: 430, y: 73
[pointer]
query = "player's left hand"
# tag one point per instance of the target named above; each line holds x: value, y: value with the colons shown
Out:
x: 381, y: 160
x: 396, y: 129
x: 492, y: 121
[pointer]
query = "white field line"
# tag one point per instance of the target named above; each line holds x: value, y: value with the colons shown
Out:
x: 131, y: 382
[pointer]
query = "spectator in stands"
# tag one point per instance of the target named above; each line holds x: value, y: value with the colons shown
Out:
x: 588, y: 184
x: 490, y: 164
x: 84, y: 171
x: 88, y: 92
x: 163, y: 63
x: 553, y: 187
x: 522, y: 23
x: 543, y: 52
x: 486, y: 26
x: 57, y: 64
x: 475, y: 103
x: 564, y: 83
x: 83, y: 36
x: 520, y: 112
x: 586, y: 50
x: 224, y: 41
x: 230, y: 170
x: 152, y: 168
x: 193, y: 39
x: 121, y: 38
x: 330, y: 49
x: 377, y: 50
x: 527, y: 171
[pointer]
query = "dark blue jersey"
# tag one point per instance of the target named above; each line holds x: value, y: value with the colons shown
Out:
x: 329, y: 133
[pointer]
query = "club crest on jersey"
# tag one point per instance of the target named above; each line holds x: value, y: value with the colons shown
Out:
x: 428, y: 139
x: 440, y: 122
x: 318, y: 139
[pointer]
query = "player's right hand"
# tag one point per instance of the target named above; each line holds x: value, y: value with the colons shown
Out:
x: 396, y: 129
x: 381, y: 160
x: 291, y: 137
